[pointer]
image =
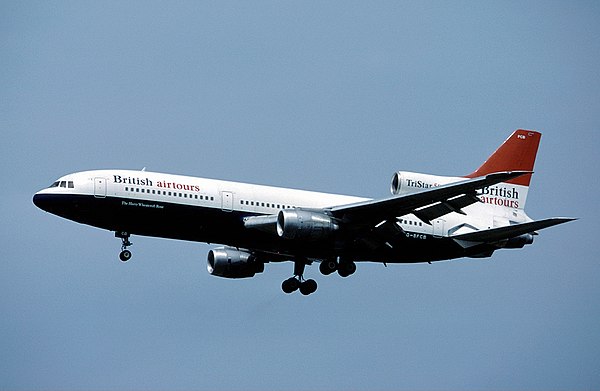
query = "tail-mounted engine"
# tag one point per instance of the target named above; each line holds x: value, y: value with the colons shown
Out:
x: 302, y: 224
x: 232, y: 263
x: 404, y: 182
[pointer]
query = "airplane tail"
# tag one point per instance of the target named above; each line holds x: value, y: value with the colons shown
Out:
x: 517, y: 153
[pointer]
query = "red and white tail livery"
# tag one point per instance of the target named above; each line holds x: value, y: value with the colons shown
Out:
x: 428, y: 218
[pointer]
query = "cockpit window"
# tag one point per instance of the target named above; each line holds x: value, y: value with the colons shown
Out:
x: 65, y: 184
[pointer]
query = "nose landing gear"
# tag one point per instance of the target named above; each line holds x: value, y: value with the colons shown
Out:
x: 125, y: 254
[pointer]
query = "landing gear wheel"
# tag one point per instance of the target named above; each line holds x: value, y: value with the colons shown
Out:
x: 290, y: 285
x: 125, y: 255
x: 346, y: 268
x: 308, y: 287
x: 328, y: 266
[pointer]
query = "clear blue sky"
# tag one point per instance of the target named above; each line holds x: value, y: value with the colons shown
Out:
x: 327, y: 96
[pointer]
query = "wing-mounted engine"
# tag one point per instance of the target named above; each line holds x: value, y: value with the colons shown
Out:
x: 232, y: 263
x: 303, y: 224
x: 404, y: 182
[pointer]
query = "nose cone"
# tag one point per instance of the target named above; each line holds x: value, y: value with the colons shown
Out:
x: 43, y: 201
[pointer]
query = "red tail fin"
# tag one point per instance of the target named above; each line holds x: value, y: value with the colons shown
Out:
x: 516, y: 153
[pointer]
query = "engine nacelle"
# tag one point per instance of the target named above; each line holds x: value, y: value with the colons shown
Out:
x: 231, y: 263
x: 302, y: 224
x: 518, y: 242
x: 404, y: 182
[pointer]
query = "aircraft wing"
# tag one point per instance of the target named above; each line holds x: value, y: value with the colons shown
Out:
x: 427, y: 205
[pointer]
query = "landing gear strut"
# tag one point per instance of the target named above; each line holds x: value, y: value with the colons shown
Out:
x: 297, y: 282
x: 125, y: 254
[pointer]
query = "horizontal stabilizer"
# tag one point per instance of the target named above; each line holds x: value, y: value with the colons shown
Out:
x: 511, y: 231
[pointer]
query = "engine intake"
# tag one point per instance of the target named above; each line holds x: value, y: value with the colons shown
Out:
x: 302, y: 224
x: 231, y: 263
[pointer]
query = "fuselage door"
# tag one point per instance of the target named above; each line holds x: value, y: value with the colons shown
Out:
x: 438, y: 228
x: 99, y: 187
x: 226, y: 201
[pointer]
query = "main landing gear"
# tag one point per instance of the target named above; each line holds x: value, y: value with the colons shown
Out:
x: 343, y: 267
x: 297, y: 282
x: 125, y: 254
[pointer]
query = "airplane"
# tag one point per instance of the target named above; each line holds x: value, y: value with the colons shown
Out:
x: 427, y: 218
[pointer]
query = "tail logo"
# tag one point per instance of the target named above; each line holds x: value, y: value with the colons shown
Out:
x: 500, y: 196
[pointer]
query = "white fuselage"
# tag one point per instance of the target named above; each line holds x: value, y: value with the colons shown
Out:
x: 151, y: 197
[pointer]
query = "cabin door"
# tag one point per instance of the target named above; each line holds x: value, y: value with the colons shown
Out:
x: 438, y: 228
x: 226, y: 201
x: 99, y: 187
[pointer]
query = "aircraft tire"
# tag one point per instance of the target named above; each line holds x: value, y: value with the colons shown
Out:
x: 328, y: 266
x: 346, y: 269
x: 125, y: 255
x: 290, y: 285
x: 308, y: 287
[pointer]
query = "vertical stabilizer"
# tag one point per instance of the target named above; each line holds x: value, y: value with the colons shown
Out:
x: 517, y: 153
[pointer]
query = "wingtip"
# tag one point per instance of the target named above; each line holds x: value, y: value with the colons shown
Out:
x: 561, y: 220
x: 567, y: 219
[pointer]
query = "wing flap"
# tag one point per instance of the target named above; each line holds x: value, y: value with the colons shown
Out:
x: 432, y: 212
x: 382, y: 235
